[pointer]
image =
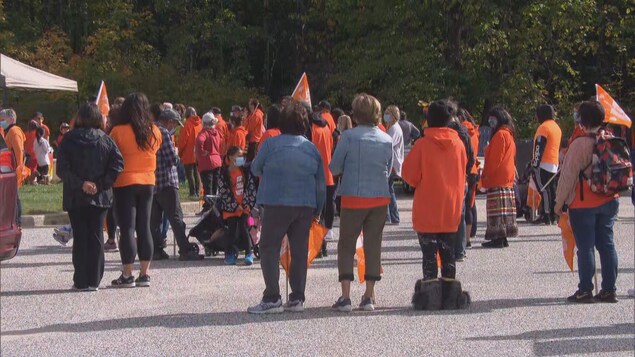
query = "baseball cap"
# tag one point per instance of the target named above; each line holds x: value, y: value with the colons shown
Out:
x: 170, y: 114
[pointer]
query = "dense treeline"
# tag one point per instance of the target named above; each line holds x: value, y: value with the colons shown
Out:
x: 219, y: 52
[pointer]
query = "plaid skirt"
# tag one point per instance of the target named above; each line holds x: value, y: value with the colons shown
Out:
x: 501, y: 213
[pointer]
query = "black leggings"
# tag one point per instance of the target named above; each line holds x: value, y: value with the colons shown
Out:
x: 133, y: 205
x: 193, y: 179
x: 238, y: 234
x: 443, y: 243
x: 329, y: 207
x: 111, y: 223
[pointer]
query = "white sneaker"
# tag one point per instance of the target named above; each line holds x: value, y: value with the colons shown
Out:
x: 267, y: 308
x: 329, y: 236
x: 631, y: 292
x: 294, y: 306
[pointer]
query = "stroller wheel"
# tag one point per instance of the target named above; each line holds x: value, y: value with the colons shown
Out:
x: 194, y: 247
x: 257, y: 251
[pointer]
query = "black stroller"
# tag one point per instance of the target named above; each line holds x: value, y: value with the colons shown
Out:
x: 212, y: 232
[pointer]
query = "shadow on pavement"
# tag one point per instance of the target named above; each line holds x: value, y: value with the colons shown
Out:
x: 620, y: 271
x: 46, y: 249
x: 38, y: 292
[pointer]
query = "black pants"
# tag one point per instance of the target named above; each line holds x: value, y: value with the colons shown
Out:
x: 88, y: 245
x: 209, y: 179
x: 133, y: 205
x: 328, y: 212
x: 18, y: 211
x: 443, y: 243
x: 193, y: 179
x: 251, y: 151
x: 167, y: 201
x: 238, y: 233
x: 111, y: 223
x: 548, y: 194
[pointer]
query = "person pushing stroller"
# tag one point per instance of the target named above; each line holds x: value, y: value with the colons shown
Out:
x: 237, y: 196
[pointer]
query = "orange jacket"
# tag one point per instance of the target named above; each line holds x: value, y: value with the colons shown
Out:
x: 15, y: 140
x: 500, y: 160
x: 473, y: 132
x: 139, y: 165
x: 254, y: 123
x: 270, y: 133
x: 323, y: 140
x: 329, y: 121
x: 28, y: 145
x: 187, y: 139
x: 577, y: 132
x: 236, y: 137
x: 221, y: 127
x: 435, y: 167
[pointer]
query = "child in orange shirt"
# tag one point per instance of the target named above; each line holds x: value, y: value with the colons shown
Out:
x: 236, y: 133
x: 237, y: 191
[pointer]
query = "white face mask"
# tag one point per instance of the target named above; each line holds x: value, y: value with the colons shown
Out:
x: 4, y: 124
x: 240, y: 161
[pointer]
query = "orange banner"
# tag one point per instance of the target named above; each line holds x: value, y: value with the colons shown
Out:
x: 302, y: 92
x: 102, y: 102
x: 568, y: 240
x: 316, y: 237
x: 614, y: 113
x: 361, y: 259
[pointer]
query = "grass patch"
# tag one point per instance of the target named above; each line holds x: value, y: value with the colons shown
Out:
x: 43, y: 199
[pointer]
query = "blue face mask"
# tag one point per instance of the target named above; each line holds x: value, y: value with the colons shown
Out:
x: 4, y: 124
x: 493, y: 122
x: 386, y: 118
x: 240, y: 161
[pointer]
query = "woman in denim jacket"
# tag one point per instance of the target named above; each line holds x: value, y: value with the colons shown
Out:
x: 363, y: 158
x: 292, y: 190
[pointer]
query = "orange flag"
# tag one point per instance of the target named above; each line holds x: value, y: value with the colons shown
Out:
x: 316, y: 237
x: 301, y: 91
x: 533, y: 195
x: 102, y: 102
x: 568, y: 240
x: 361, y: 259
x: 614, y: 113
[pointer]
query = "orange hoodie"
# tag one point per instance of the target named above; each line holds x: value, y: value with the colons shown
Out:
x: 473, y: 132
x: 330, y: 122
x: 236, y: 137
x: 435, y: 167
x: 187, y: 139
x: 500, y: 160
x: 15, y: 140
x: 221, y: 127
x: 254, y: 123
x: 139, y: 165
x: 323, y: 140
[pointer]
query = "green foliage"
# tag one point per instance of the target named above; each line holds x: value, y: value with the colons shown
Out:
x: 516, y: 53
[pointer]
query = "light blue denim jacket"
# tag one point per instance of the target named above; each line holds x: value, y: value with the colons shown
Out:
x: 364, y: 159
x: 291, y: 173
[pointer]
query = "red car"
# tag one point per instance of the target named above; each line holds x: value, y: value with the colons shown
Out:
x: 10, y: 233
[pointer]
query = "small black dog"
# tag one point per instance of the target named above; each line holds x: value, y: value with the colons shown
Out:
x: 445, y: 294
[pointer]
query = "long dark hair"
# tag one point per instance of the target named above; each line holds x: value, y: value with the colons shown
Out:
x: 503, y: 118
x: 273, y: 116
x: 135, y: 111
x: 89, y: 116
x: 39, y: 134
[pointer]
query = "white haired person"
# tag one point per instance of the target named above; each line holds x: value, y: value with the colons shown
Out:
x: 15, y: 139
x: 208, y: 157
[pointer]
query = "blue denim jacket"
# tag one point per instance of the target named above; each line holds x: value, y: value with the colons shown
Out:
x: 364, y: 159
x: 291, y: 173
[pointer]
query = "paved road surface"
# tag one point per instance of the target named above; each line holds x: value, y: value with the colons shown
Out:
x: 198, y: 308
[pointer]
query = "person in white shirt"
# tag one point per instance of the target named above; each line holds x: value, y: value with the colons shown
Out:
x: 42, y: 149
x: 391, y: 119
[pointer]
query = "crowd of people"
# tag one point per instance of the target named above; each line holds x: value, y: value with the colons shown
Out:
x: 295, y: 164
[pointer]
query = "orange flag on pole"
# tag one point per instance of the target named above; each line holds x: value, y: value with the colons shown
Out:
x: 614, y: 113
x: 316, y: 237
x: 568, y: 240
x: 301, y: 91
x: 102, y: 102
x: 361, y: 259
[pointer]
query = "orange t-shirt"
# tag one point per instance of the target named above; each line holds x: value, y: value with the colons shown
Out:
x: 47, y: 131
x: 550, y: 130
x: 138, y: 165
x: 323, y: 141
x: 435, y: 167
x: 254, y: 125
x: 383, y: 128
x: 354, y: 202
x: 221, y: 127
x: 238, y: 189
x: 236, y: 137
x: 330, y: 122
x: 270, y: 133
x: 28, y: 145
x: 591, y: 199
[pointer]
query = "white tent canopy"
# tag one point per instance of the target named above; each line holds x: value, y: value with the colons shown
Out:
x: 14, y: 74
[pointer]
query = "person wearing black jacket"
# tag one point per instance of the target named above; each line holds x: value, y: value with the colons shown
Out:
x: 461, y: 241
x: 88, y: 163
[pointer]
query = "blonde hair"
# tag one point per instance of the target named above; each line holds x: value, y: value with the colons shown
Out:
x: 344, y: 123
x: 394, y: 111
x: 366, y: 109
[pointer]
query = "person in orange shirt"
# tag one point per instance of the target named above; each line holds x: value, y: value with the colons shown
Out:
x: 138, y: 140
x: 236, y: 133
x: 435, y: 167
x: 325, y: 112
x: 470, y: 199
x: 15, y: 139
x: 546, y: 158
x: 498, y: 178
x: 322, y: 137
x: 237, y: 195
x: 221, y: 127
x: 254, y: 123
x: 592, y: 215
x: 273, y: 118
x: 39, y: 118
x: 185, y: 145
x: 31, y: 160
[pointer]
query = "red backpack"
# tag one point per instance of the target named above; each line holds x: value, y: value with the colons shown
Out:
x: 612, y: 171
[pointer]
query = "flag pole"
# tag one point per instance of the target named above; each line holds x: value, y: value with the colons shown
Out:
x: 287, y: 273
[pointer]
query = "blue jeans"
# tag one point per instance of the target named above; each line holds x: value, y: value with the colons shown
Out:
x: 461, y: 239
x: 593, y: 227
x: 393, y: 211
x: 165, y: 225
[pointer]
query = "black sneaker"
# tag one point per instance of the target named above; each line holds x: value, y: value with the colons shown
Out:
x: 123, y: 282
x: 324, y: 251
x: 189, y: 256
x: 494, y: 243
x: 343, y: 305
x: 585, y: 297
x: 143, y: 281
x: 606, y: 296
x: 468, y: 244
x: 160, y: 254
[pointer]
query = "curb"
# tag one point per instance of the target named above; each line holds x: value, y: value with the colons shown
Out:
x: 59, y: 219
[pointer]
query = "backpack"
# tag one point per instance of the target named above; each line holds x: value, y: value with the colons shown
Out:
x: 612, y: 171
